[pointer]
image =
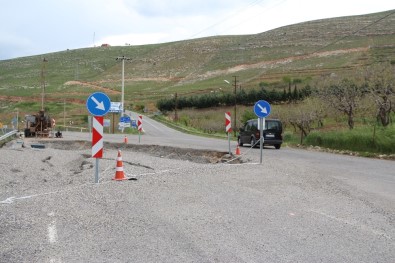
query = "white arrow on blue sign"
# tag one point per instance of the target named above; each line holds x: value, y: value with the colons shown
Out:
x: 124, y: 119
x: 262, y: 108
x: 98, y: 104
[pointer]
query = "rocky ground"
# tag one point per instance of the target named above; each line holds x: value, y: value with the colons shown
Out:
x: 26, y: 162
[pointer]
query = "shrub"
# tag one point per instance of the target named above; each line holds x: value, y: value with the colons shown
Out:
x: 247, y: 115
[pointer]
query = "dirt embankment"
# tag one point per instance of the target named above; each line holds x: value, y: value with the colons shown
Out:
x: 93, y: 85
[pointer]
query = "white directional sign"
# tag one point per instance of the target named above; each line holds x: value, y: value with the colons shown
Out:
x: 116, y: 107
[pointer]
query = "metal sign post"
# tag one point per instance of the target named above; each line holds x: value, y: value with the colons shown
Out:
x: 98, y: 104
x: 97, y: 171
x: 262, y: 109
x: 97, y: 142
x: 261, y: 128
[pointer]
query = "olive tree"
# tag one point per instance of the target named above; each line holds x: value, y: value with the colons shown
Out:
x: 342, y: 95
x: 381, y: 84
x: 302, y: 116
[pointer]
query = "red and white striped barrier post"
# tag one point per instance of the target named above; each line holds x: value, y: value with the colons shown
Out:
x: 140, y: 125
x: 97, y: 142
x: 97, y: 137
x: 228, y: 127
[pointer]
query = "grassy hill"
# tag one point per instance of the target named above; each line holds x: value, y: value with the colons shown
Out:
x: 304, y: 51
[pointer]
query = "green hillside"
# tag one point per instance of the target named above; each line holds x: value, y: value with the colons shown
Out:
x: 303, y: 51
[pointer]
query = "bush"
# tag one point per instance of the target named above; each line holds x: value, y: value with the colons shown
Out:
x: 288, y: 136
x: 184, y: 120
x: 247, y: 115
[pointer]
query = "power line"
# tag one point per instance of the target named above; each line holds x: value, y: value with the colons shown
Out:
x: 333, y: 42
x: 253, y: 3
x: 251, y: 17
x: 353, y: 33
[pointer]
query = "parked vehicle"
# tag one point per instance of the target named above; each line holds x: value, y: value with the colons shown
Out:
x: 272, y: 133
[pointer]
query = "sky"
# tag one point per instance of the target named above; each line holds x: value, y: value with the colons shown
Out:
x: 34, y: 27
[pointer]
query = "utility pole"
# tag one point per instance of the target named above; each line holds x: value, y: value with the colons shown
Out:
x: 64, y: 114
x: 175, y: 107
x: 77, y: 71
x: 234, y: 123
x: 43, y: 69
x: 123, y: 58
x: 17, y: 119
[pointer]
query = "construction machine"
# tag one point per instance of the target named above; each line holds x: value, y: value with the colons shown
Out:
x: 40, y: 124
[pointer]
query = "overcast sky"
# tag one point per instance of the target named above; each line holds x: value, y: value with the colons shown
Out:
x: 33, y: 27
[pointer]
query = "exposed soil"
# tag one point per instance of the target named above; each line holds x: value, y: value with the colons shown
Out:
x: 92, y: 85
x: 186, y: 154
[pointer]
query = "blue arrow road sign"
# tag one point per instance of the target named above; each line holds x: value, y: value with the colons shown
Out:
x: 98, y: 104
x: 124, y: 119
x: 262, y: 108
x: 134, y: 123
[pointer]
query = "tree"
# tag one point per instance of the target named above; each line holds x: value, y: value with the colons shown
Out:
x: 302, y: 116
x: 247, y: 115
x: 342, y: 95
x: 381, y: 84
x: 288, y: 80
x: 295, y: 94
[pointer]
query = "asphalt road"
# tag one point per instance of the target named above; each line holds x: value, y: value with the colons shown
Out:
x: 297, y: 206
x: 371, y: 175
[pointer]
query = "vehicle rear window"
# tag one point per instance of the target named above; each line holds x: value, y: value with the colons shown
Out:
x: 273, y: 125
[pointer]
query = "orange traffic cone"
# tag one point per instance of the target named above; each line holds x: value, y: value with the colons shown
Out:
x: 237, y: 150
x: 119, y: 174
x: 125, y: 140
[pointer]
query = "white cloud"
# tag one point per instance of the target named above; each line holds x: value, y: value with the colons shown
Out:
x: 131, y: 39
x: 42, y: 26
x: 18, y: 45
x: 181, y: 8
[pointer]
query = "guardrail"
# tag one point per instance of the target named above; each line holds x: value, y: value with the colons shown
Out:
x: 8, y: 134
x: 70, y: 128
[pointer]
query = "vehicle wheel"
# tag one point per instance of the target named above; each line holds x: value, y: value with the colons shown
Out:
x: 253, y: 141
x: 27, y: 133
x: 277, y: 146
x: 239, y: 142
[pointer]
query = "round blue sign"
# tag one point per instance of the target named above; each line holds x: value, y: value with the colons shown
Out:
x: 262, y: 109
x: 98, y: 104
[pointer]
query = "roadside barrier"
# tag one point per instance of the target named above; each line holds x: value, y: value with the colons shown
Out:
x: 5, y: 136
